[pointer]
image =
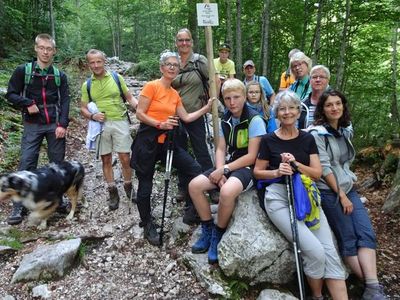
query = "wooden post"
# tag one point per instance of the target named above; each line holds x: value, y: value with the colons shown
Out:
x: 211, y: 76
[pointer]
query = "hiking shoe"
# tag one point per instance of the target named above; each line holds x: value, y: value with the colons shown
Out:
x: 203, y: 243
x: 373, y: 292
x: 64, y: 206
x: 130, y: 192
x: 113, y: 201
x: 151, y: 234
x: 17, y: 213
x: 216, y: 236
x: 181, y: 196
x: 190, y: 216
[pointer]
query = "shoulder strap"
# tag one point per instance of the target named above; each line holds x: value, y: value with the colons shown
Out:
x: 118, y: 82
x: 57, y: 77
x: 88, y: 85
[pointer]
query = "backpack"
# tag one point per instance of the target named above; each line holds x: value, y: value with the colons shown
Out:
x: 117, y: 81
x: 203, y: 77
x: 30, y: 73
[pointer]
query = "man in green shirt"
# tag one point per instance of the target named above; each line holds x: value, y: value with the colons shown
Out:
x: 112, y: 113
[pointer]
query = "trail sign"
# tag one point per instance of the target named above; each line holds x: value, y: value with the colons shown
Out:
x: 207, y: 14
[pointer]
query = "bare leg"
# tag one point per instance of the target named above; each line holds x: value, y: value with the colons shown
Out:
x: 107, y: 168
x: 367, y: 259
x: 337, y: 288
x: 197, y: 187
x: 227, y: 197
x: 354, y: 264
x: 124, y: 158
x: 316, y: 286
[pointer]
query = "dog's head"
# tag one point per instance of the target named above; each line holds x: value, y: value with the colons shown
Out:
x: 15, y: 185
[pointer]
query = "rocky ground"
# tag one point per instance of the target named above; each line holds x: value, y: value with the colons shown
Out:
x: 117, y: 263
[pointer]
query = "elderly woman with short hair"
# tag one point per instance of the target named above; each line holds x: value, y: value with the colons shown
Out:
x: 300, y: 65
x: 278, y: 151
x: 159, y: 110
x: 319, y: 79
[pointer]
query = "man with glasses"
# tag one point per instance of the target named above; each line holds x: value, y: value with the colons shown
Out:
x: 190, y: 83
x: 112, y: 113
x: 41, y: 92
x: 319, y: 79
x: 249, y: 70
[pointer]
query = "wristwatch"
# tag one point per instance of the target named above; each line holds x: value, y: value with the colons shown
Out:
x: 227, y: 171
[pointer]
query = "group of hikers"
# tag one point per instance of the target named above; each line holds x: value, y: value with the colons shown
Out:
x: 305, y: 128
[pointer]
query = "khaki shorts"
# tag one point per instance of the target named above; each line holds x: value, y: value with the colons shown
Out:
x: 115, y: 137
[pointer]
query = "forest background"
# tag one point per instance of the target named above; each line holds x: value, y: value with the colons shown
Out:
x: 357, y: 40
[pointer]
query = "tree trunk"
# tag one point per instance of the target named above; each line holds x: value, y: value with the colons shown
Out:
x: 394, y: 109
x: 305, y: 23
x: 192, y: 24
x: 317, y: 35
x: 341, y: 61
x: 392, y: 202
x: 229, y: 33
x: 265, y: 37
x: 52, y: 25
x: 238, y: 61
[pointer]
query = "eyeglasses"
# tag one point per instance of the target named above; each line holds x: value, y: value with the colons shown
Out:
x: 315, y: 77
x: 170, y: 65
x: 43, y: 49
x: 184, y: 40
x: 254, y: 92
x: 298, y: 65
x: 283, y: 109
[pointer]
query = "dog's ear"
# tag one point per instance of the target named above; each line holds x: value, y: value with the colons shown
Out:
x: 21, y: 184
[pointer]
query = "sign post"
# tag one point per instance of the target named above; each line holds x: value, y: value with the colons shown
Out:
x: 207, y: 15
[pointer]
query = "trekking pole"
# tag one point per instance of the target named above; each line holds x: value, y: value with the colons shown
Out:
x: 209, y: 139
x: 295, y: 236
x: 167, y: 177
x: 101, y: 133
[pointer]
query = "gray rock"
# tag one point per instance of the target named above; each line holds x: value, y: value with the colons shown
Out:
x: 41, y: 291
x: 178, y: 230
x: 252, y: 248
x: 211, y: 277
x: 275, y: 295
x: 8, y: 297
x: 49, y: 261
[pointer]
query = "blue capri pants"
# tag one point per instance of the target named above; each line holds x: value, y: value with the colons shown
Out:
x: 352, y: 231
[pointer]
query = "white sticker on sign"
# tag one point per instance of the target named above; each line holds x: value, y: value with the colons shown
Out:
x: 207, y: 14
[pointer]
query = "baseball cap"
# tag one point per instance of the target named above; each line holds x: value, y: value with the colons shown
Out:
x: 248, y: 63
x: 224, y: 46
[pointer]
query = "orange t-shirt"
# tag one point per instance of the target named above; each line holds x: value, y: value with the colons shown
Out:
x: 163, y: 102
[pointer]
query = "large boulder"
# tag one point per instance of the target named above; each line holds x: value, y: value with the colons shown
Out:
x: 252, y: 248
x: 48, y: 262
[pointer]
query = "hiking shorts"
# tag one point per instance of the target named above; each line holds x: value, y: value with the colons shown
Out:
x: 115, y: 137
x: 245, y: 175
x: 352, y: 231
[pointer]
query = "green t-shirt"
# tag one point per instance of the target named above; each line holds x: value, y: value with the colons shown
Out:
x: 225, y: 69
x: 105, y: 93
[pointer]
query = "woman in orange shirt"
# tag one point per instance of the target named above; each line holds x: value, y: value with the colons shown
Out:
x: 159, y: 110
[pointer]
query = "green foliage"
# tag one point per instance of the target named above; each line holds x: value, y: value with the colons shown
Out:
x: 237, y: 288
x: 12, y: 239
x: 146, y: 69
x: 82, y: 251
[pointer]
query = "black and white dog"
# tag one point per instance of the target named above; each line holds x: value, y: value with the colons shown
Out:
x: 41, y: 190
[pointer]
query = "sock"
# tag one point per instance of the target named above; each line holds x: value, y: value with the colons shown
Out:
x: 127, y: 182
x: 111, y: 185
x: 371, y: 282
x: 222, y: 230
x: 208, y: 222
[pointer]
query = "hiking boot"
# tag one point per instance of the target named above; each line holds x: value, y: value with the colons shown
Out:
x: 64, y: 206
x: 216, y: 236
x: 190, y: 216
x: 373, y: 292
x: 151, y: 234
x: 181, y: 196
x: 17, y: 213
x: 113, y: 202
x: 130, y: 192
x: 203, y: 243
